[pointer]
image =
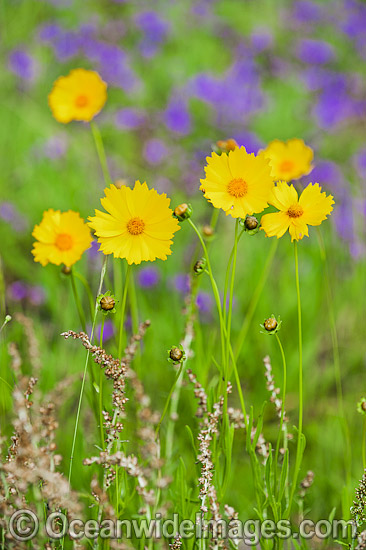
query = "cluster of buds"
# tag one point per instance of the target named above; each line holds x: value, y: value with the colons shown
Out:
x: 106, y: 303
x: 271, y: 325
x: 183, y: 212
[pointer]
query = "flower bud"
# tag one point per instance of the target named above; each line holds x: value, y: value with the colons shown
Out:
x: 183, y: 212
x: 270, y: 324
x: 66, y: 270
x: 250, y: 223
x: 107, y: 303
x: 361, y: 406
x: 176, y: 354
x: 208, y: 231
x: 200, y: 266
x: 227, y: 145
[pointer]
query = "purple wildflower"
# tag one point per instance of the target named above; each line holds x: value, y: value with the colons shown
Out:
x: 22, y: 64
x: 129, y: 118
x: 359, y: 161
x: 36, y: 295
x: 315, y: 51
x: 204, y: 302
x: 18, y: 291
x: 177, y: 117
x: 155, y: 151
x: 148, y: 277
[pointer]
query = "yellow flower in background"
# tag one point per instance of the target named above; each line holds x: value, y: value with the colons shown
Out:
x: 295, y: 214
x: 138, y: 225
x: 78, y: 96
x: 237, y: 182
x: 62, y: 237
x: 289, y: 160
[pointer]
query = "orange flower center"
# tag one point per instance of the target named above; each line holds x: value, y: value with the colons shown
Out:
x: 63, y: 241
x: 295, y: 211
x: 237, y: 188
x: 135, y: 226
x: 286, y: 166
x: 81, y: 101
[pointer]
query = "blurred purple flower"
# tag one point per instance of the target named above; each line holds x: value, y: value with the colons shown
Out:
x: 49, y: 32
x: 129, y: 118
x: 333, y: 107
x: 204, y: 302
x: 66, y: 45
x: 344, y: 219
x: 306, y: 11
x: 148, y: 277
x: 326, y: 173
x: 261, y: 39
x: 153, y: 26
x: 18, y: 291
x: 9, y: 214
x: 108, y: 330
x: 155, y: 151
x: 22, y: 64
x: 317, y: 78
x: 181, y: 283
x: 315, y: 51
x: 36, y: 295
x: 93, y: 251
x: 177, y: 117
x: 55, y: 147
x: 249, y: 140
x: 359, y: 161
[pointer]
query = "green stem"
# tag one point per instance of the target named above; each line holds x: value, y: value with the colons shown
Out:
x: 299, y: 435
x: 222, y: 324
x: 123, y: 309
x: 79, y: 307
x: 284, y: 383
x: 86, y: 285
x: 364, y: 442
x: 336, y: 361
x: 169, y: 397
x: 101, y: 420
x: 104, y: 266
x: 101, y: 152
x: 255, y: 298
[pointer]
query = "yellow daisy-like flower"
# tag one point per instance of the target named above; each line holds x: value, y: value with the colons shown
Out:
x: 289, y: 160
x: 62, y: 237
x: 78, y: 96
x: 295, y: 214
x: 139, y: 224
x: 239, y: 182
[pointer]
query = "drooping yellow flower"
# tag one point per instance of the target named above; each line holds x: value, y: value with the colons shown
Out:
x: 237, y: 182
x: 295, y: 214
x: 289, y: 160
x: 78, y: 96
x: 138, y: 225
x: 62, y: 237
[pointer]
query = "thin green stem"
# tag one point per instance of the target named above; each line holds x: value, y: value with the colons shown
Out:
x: 255, y: 298
x: 364, y: 442
x: 86, y: 285
x: 336, y: 362
x: 79, y: 307
x: 169, y: 397
x: 299, y: 435
x: 102, y: 274
x: 101, y: 388
x: 284, y: 383
x: 101, y: 152
x: 123, y: 309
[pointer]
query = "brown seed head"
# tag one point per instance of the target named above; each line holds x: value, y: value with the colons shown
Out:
x: 270, y: 324
x: 251, y: 222
x: 107, y: 303
x: 176, y: 354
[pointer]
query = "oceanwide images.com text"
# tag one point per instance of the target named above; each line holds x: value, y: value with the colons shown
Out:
x: 25, y: 525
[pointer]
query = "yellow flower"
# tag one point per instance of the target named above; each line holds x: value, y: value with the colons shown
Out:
x: 78, y: 96
x: 237, y: 182
x: 62, y: 237
x: 289, y: 160
x: 139, y: 224
x: 296, y: 214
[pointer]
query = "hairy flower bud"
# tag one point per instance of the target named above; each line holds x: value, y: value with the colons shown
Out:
x: 208, y: 231
x: 199, y: 266
x: 183, y: 212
